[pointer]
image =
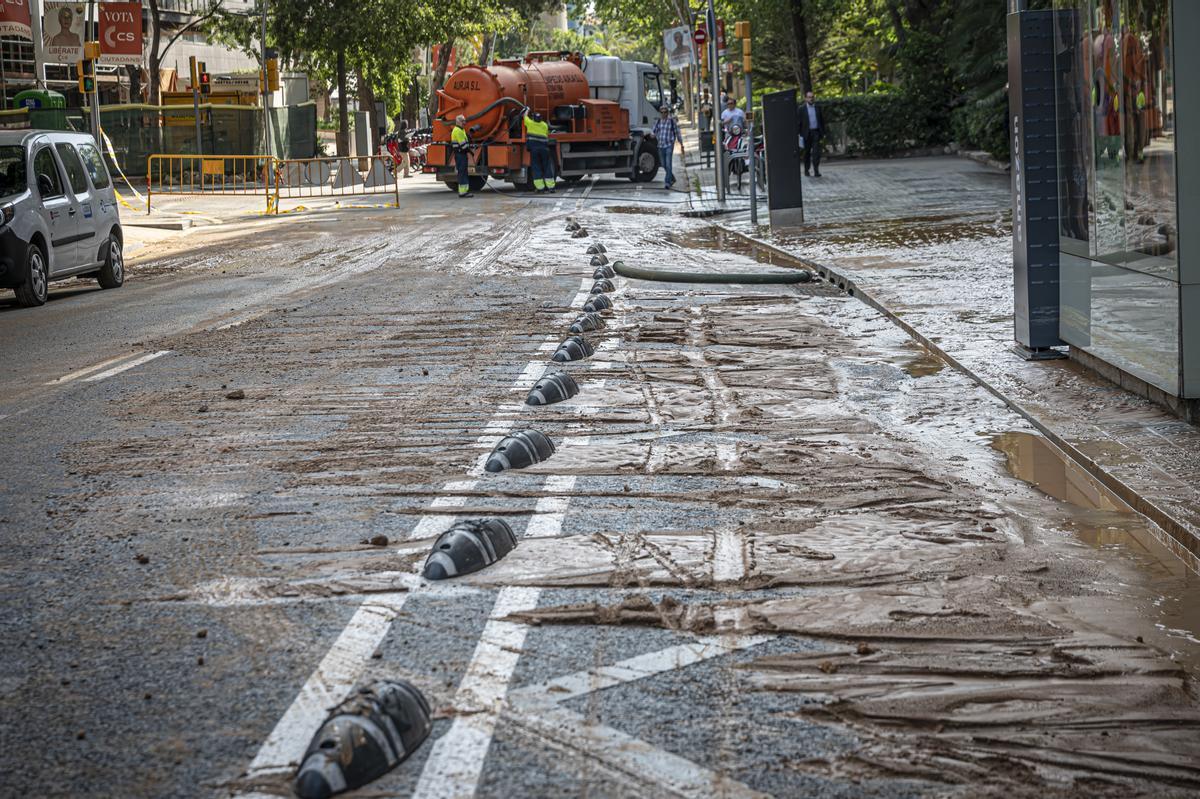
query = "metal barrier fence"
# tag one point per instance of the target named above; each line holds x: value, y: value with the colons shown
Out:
x: 209, y: 175
x: 298, y: 178
x: 274, y: 179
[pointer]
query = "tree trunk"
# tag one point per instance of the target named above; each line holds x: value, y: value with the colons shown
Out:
x: 800, y: 34
x: 439, y: 77
x: 155, y: 41
x: 489, y: 45
x: 135, y: 82
x: 366, y: 99
x: 343, y: 134
x: 412, y: 102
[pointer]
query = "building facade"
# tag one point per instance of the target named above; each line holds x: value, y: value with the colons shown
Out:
x: 1128, y: 141
x: 24, y: 64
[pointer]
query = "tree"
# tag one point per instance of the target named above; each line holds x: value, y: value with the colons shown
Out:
x: 157, y: 55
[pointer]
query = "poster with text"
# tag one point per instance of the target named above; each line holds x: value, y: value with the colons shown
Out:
x: 62, y: 32
x: 15, y: 19
x: 121, y: 33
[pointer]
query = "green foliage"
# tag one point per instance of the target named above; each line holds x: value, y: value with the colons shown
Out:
x: 877, y: 124
x: 983, y: 124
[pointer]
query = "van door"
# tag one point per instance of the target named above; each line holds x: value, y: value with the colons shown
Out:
x: 104, y: 196
x: 58, y: 209
x: 88, y: 247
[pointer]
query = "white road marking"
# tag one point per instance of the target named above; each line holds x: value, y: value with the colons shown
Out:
x: 550, y: 511
x: 454, y: 765
x: 327, y: 685
x: 537, y: 708
x: 729, y: 562
x: 116, y: 370
x: 67, y: 378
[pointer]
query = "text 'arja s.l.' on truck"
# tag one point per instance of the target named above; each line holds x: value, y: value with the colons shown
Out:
x: 600, y: 110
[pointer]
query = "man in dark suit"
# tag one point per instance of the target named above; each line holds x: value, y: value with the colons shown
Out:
x: 812, y: 130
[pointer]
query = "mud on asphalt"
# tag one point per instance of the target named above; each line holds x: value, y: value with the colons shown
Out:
x: 788, y: 523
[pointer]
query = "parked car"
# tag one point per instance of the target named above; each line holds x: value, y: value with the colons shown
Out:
x: 58, y: 213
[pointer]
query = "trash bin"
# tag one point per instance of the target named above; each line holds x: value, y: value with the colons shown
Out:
x: 39, y: 98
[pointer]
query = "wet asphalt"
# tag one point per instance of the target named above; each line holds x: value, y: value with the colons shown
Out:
x: 178, y: 562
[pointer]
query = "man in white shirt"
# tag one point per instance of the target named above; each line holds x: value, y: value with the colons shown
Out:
x: 732, y: 115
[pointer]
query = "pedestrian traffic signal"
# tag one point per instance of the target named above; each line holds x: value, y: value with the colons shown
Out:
x: 205, y: 83
x: 91, y: 50
x: 746, y: 65
x: 85, y: 70
x: 741, y: 29
x: 273, y: 74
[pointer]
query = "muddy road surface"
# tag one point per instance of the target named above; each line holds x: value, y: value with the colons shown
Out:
x: 778, y: 551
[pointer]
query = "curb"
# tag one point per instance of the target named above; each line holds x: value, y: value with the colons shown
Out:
x: 1180, y: 538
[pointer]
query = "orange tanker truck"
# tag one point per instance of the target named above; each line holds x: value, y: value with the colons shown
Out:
x: 600, y: 110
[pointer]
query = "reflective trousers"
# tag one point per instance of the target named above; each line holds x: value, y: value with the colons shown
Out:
x: 541, y: 168
x: 464, y: 180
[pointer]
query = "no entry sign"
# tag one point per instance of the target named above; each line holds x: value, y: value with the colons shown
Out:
x: 700, y: 36
x: 120, y: 33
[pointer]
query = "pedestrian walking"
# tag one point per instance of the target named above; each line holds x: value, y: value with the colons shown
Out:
x: 460, y: 143
x: 812, y: 133
x: 402, y: 146
x: 537, y: 141
x: 666, y: 133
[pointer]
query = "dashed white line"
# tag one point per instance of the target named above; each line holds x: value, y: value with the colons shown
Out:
x: 729, y: 562
x: 328, y: 685
x: 125, y: 367
x: 67, y: 378
x: 550, y: 510
x: 456, y: 762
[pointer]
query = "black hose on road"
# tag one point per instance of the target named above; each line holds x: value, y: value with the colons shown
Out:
x: 670, y: 276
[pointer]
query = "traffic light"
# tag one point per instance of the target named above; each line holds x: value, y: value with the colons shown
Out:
x: 205, y: 84
x: 273, y: 74
x: 86, y: 72
x: 741, y: 30
x: 91, y: 50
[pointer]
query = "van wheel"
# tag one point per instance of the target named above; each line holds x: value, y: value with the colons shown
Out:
x: 34, y: 290
x: 112, y: 274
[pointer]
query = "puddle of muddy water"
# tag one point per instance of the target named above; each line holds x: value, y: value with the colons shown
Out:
x: 714, y: 238
x: 1032, y: 458
x: 1102, y: 520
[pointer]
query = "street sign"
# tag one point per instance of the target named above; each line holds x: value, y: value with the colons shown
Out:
x: 700, y: 36
x: 120, y: 33
x: 15, y: 19
x: 721, y: 38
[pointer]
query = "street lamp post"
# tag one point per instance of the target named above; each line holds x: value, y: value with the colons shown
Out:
x: 715, y: 75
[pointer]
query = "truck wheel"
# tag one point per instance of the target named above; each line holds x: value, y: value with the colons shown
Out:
x: 476, y: 182
x: 572, y: 179
x: 112, y: 274
x: 36, y: 287
x: 645, y: 165
x: 452, y: 185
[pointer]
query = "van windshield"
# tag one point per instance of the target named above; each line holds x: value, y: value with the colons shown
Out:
x: 12, y: 170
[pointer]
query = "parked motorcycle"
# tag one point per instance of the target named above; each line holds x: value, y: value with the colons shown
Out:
x: 737, y: 155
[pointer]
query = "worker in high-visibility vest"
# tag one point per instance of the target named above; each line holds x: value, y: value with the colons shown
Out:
x: 460, y: 144
x: 537, y: 141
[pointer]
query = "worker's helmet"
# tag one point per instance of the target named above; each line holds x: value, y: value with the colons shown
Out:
x: 537, y: 117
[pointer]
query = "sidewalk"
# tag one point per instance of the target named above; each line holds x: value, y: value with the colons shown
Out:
x: 929, y: 242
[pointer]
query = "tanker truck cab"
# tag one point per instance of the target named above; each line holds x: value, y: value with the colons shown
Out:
x: 600, y: 111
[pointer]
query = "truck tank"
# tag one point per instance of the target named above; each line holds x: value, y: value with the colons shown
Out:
x: 488, y: 96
